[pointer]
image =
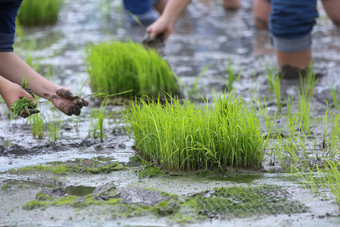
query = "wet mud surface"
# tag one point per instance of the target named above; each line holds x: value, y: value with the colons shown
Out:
x: 70, y: 182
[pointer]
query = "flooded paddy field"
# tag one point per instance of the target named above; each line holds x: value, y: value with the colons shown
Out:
x: 78, y: 180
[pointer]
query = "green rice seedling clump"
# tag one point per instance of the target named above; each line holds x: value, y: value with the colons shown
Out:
x: 20, y: 106
x: 37, y: 12
x: 192, y: 137
x: 116, y: 67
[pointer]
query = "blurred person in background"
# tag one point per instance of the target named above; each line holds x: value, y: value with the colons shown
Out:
x: 146, y: 11
x: 289, y: 21
x: 13, y: 70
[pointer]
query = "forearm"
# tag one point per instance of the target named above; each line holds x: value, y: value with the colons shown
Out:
x: 174, y: 9
x: 3, y: 85
x: 13, y: 68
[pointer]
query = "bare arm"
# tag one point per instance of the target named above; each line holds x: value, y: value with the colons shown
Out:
x: 13, y: 68
x: 166, y: 22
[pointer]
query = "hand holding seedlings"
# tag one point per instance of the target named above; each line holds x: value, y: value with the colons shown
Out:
x: 166, y: 22
x: 17, y: 71
x: 156, y: 42
x: 14, y: 69
x: 19, y: 101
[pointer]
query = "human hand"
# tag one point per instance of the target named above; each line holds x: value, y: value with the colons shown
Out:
x: 68, y: 103
x: 13, y: 93
x: 161, y: 25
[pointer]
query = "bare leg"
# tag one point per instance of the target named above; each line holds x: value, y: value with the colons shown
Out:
x: 232, y: 4
x: 261, y: 12
x: 332, y: 8
x: 160, y: 5
x: 290, y: 64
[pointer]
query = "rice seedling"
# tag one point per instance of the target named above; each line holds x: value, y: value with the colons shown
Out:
x: 193, y: 91
x: 54, y: 128
x: 332, y: 179
x: 311, y: 179
x: 335, y: 98
x: 38, y: 126
x: 191, y: 136
x: 269, y: 121
x: 287, y: 149
x: 304, y: 109
x: 310, y: 81
x: 37, y: 12
x: 270, y: 78
x: 76, y: 122
x: 97, y: 121
x: 305, y: 95
x: 277, y: 91
x: 325, y: 124
x: 291, y: 119
x: 24, y: 82
x: 274, y: 82
x: 20, y: 106
x: 115, y: 67
x: 316, y: 180
x: 231, y: 76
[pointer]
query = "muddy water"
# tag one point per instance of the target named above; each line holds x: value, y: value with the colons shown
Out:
x: 206, y: 34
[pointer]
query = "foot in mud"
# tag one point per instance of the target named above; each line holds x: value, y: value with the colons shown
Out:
x: 293, y: 73
x: 68, y: 103
x: 290, y: 72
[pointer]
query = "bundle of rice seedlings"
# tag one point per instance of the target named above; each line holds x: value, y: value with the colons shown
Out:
x: 192, y: 137
x: 127, y: 67
x: 39, y: 12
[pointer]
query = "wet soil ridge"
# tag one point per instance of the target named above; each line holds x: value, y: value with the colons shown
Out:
x: 79, y: 166
x: 190, y: 136
x: 237, y: 201
x: 127, y: 69
x: 48, y: 147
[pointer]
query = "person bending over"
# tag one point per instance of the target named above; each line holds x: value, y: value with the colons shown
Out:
x: 14, y: 70
x: 290, y: 24
x: 144, y: 10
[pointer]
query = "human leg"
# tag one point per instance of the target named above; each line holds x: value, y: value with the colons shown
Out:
x: 261, y: 12
x: 332, y: 8
x: 291, y: 23
x: 232, y: 4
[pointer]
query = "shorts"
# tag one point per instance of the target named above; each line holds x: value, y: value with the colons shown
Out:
x: 142, y: 10
x: 8, y: 14
x: 291, y: 22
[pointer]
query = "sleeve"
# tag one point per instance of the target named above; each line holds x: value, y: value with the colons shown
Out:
x: 8, y: 14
